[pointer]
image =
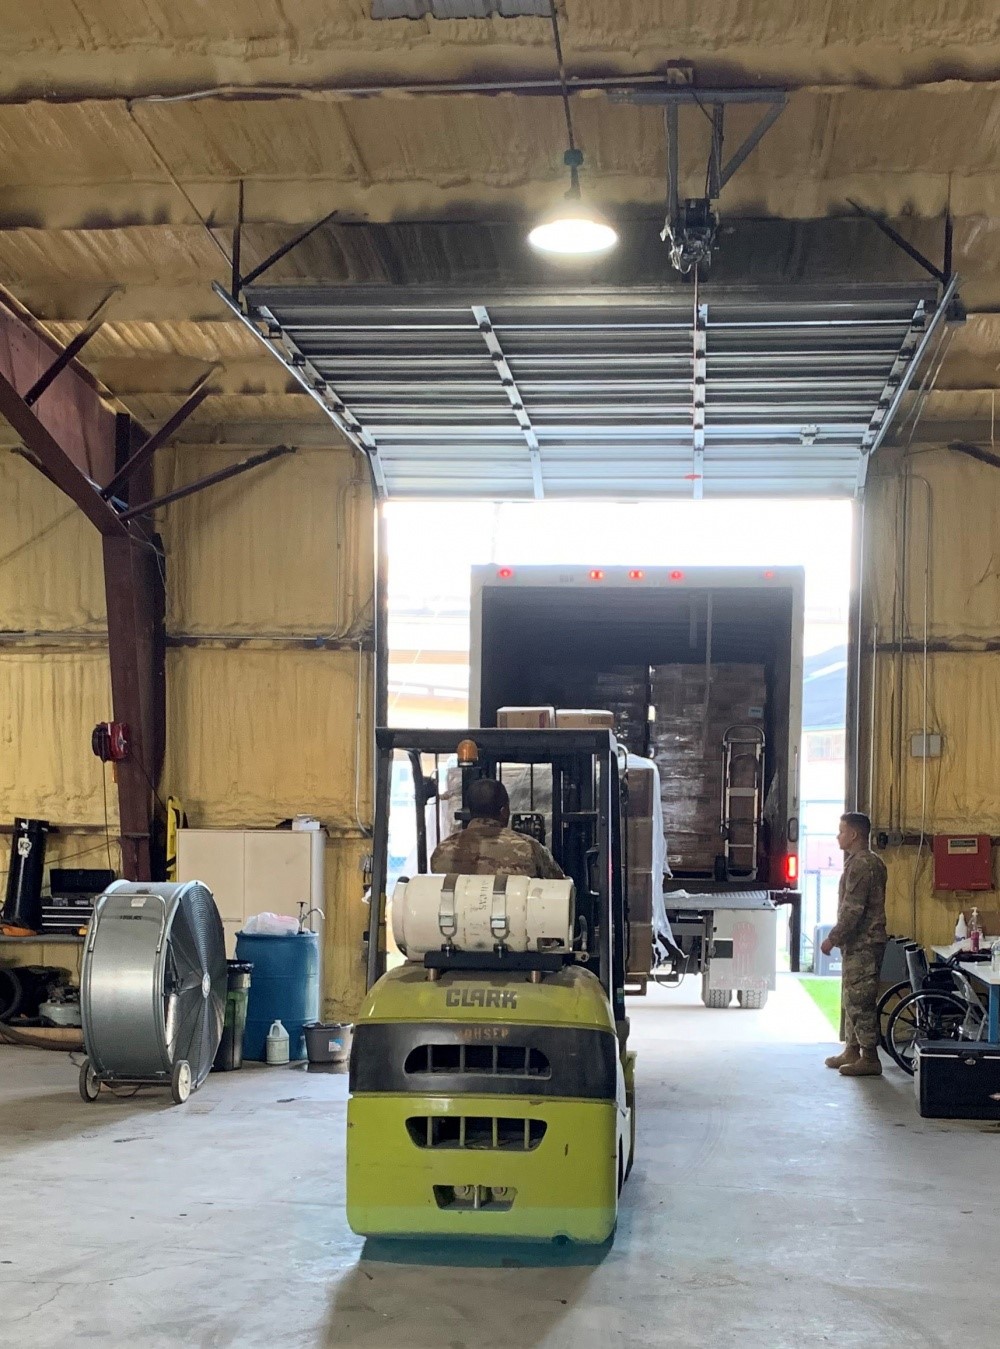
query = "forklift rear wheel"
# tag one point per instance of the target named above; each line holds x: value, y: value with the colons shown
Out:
x: 753, y: 999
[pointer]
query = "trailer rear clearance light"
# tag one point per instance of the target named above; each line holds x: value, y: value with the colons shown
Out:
x: 505, y: 573
x: 677, y: 576
x: 791, y: 869
x: 637, y: 575
x: 770, y: 575
x: 597, y: 575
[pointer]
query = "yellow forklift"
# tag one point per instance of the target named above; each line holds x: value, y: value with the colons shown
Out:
x: 491, y: 1088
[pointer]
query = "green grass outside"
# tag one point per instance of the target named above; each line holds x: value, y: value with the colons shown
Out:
x: 825, y: 992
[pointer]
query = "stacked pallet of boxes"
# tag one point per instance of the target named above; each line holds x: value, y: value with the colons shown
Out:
x: 644, y: 854
x: 694, y: 707
x: 622, y: 690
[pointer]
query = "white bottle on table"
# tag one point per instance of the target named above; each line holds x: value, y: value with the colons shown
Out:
x: 961, y: 928
x: 995, y: 954
x: 975, y: 929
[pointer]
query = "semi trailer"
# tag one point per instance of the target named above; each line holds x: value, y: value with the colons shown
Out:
x: 700, y: 669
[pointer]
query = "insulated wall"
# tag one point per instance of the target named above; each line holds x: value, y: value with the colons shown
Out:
x: 930, y: 660
x: 269, y: 581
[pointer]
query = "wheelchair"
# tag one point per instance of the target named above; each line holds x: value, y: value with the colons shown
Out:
x: 933, y: 1003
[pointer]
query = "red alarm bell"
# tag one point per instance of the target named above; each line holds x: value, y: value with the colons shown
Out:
x: 110, y: 741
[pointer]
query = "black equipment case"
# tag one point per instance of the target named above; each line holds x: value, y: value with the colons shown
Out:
x: 956, y: 1079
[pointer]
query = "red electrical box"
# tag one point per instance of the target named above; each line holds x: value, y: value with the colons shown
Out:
x: 963, y: 862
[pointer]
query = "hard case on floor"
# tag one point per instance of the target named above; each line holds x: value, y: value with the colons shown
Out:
x: 957, y: 1079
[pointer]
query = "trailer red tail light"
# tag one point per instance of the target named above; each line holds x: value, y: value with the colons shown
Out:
x: 636, y: 575
x: 770, y: 575
x: 677, y: 576
x: 791, y: 869
x: 597, y: 574
x: 505, y: 573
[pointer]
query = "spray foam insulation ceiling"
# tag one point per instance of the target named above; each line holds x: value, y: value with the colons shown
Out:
x: 125, y: 131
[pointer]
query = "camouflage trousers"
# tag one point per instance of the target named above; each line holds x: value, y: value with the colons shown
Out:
x: 859, y: 994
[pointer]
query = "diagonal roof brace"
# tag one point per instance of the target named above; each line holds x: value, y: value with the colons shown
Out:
x: 481, y: 315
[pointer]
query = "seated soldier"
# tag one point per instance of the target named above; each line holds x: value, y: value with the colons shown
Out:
x: 486, y: 847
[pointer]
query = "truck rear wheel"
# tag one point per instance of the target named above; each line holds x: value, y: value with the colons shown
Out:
x: 714, y: 997
x: 753, y: 999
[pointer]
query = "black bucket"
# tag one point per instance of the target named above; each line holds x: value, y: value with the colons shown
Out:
x: 230, y: 1051
x: 23, y: 905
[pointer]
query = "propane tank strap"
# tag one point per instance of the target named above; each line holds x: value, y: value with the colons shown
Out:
x: 499, y: 923
x: 447, y: 922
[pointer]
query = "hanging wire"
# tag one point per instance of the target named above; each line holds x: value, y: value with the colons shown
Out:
x: 107, y: 826
x: 557, y: 39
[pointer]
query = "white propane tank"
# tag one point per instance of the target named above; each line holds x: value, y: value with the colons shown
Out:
x: 480, y: 912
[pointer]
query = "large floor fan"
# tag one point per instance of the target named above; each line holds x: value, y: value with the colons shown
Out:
x: 152, y: 987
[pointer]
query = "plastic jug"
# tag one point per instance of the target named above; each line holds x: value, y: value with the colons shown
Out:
x: 277, y: 1043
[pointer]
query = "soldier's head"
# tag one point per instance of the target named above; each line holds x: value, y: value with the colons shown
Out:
x: 487, y: 799
x: 855, y: 830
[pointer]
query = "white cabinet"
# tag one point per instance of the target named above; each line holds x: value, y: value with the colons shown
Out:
x: 255, y: 871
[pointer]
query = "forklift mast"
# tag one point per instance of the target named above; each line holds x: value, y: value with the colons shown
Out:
x: 587, y: 831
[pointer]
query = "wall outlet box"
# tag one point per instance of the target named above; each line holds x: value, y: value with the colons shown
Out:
x: 925, y: 745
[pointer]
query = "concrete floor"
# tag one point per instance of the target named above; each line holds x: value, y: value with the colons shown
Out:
x: 773, y: 1203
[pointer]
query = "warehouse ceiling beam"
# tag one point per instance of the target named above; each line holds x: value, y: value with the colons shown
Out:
x: 284, y: 349
x: 482, y: 317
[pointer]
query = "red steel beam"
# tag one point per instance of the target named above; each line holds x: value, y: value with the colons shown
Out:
x: 71, y: 409
x: 73, y: 435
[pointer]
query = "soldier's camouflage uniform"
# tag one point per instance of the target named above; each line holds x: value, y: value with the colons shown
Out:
x: 860, y: 934
x: 486, y: 848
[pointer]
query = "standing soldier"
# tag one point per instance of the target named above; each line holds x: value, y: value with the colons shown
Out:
x: 486, y: 847
x: 860, y: 934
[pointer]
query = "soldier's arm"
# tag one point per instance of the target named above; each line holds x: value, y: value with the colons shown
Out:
x: 851, y: 911
x: 548, y: 868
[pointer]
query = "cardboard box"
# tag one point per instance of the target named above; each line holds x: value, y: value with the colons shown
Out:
x: 526, y: 718
x: 639, y: 838
x: 695, y: 706
x: 584, y: 719
x: 640, y: 956
x: 640, y: 897
x: 641, y: 784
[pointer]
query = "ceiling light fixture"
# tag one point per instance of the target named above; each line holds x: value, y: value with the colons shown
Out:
x: 571, y: 229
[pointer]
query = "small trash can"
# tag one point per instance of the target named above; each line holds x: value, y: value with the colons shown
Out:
x: 230, y: 1053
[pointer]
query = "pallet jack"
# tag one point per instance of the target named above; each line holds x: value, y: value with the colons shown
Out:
x: 491, y: 1087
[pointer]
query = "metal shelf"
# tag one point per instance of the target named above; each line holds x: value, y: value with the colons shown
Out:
x: 45, y: 938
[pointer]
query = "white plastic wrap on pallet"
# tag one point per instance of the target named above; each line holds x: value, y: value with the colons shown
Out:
x: 661, y: 867
x: 523, y: 913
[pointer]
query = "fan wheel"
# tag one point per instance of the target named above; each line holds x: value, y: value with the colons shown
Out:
x: 180, y: 1081
x: 90, y: 1085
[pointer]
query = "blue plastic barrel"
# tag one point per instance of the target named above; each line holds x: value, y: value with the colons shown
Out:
x: 284, y: 987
